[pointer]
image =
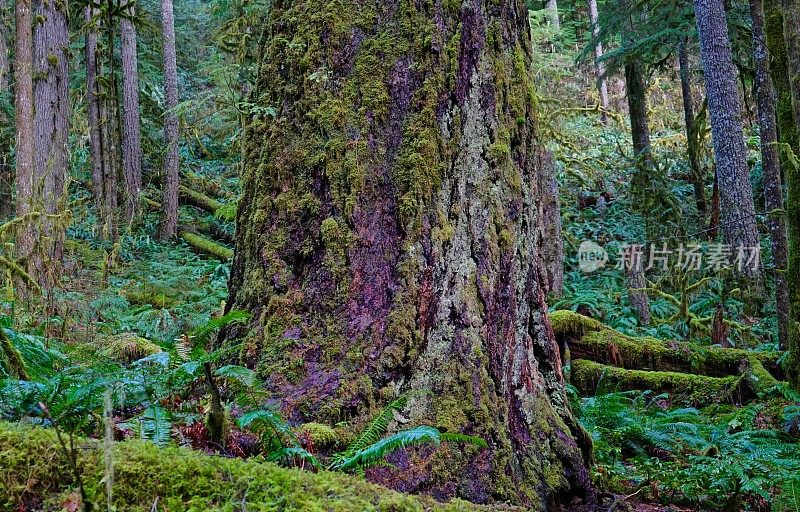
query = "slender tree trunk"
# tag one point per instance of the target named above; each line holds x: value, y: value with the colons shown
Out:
x: 131, y: 136
x: 552, y: 7
x: 51, y: 124
x: 6, y: 170
x: 637, y: 112
x: 23, y: 102
x: 112, y: 175
x: 791, y: 33
x: 724, y: 106
x: 692, y: 138
x: 388, y: 237
x: 637, y: 282
x: 599, y: 67
x: 169, y: 220
x: 770, y: 159
x: 94, y: 118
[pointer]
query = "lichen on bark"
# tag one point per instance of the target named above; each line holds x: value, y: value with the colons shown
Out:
x: 389, y: 239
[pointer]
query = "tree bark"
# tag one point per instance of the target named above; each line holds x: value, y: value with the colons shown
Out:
x: 724, y: 106
x: 779, y: 70
x: 770, y: 162
x: 692, y: 137
x: 599, y: 67
x: 388, y: 241
x: 51, y: 124
x: 23, y: 103
x: 131, y: 135
x: 95, y: 117
x: 169, y: 218
x: 552, y: 7
x: 791, y: 33
x: 6, y: 170
x: 636, y: 89
x: 552, y: 241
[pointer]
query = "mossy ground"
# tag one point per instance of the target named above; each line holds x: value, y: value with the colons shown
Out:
x: 34, y: 475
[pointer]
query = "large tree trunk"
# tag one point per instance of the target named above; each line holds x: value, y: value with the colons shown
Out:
x: 131, y: 136
x: 388, y: 240
x: 169, y: 217
x: 692, y: 137
x: 6, y: 170
x: 724, y: 106
x: 23, y: 103
x: 770, y: 162
x: 791, y: 32
x: 51, y: 123
x: 599, y: 67
x: 779, y: 70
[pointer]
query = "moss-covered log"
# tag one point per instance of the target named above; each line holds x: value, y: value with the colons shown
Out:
x: 205, y: 245
x: 388, y: 239
x: 198, y: 199
x: 197, y: 242
x: 34, y: 472
x: 589, y: 339
x: 589, y: 377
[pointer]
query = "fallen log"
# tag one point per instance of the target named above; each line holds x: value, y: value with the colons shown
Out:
x: 197, y: 242
x: 589, y: 377
x: 198, y: 199
x: 589, y: 339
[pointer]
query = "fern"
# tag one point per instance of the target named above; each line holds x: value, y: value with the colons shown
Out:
x: 376, y: 429
x: 155, y: 425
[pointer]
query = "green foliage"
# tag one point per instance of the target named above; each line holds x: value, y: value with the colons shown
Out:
x: 704, y: 459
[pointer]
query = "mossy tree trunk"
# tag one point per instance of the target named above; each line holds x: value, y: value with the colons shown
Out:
x: 388, y: 239
x: 692, y: 137
x: 770, y: 163
x: 791, y: 33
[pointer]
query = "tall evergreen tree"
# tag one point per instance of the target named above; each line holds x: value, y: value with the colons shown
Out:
x: 736, y: 194
x: 131, y: 131
x: 24, y: 150
x: 599, y: 67
x: 791, y: 33
x: 51, y: 124
x: 169, y: 214
x: 773, y: 185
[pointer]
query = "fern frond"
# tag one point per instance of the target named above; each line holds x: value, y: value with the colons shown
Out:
x: 377, y: 451
x: 202, y: 334
x: 155, y: 425
x: 375, y: 430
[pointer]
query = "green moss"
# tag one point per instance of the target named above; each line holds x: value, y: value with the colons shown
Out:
x: 322, y: 436
x: 566, y: 322
x: 587, y: 376
x: 33, y: 469
x: 207, y: 246
x: 124, y: 348
x: 11, y: 363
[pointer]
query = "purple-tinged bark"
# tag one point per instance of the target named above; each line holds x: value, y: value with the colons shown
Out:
x: 389, y: 237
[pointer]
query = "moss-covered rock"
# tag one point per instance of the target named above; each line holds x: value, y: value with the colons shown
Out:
x: 35, y: 475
